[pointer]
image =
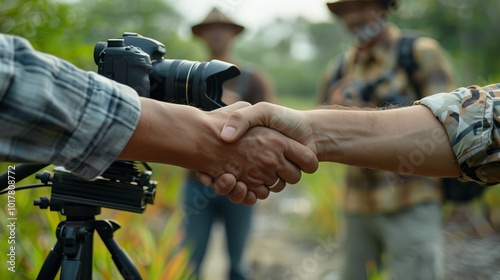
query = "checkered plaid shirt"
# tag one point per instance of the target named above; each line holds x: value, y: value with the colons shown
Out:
x: 52, y: 112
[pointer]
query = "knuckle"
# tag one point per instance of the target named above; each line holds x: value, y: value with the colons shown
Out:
x: 237, y: 116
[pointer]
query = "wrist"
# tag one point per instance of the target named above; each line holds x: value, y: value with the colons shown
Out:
x: 169, y: 133
x: 339, y: 135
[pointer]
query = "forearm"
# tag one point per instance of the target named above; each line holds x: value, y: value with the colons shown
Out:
x: 190, y: 138
x: 407, y: 140
x: 171, y: 134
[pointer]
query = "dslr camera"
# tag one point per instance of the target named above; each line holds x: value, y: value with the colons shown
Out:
x: 138, y: 62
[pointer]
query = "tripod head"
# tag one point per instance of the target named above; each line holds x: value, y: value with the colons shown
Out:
x: 122, y: 187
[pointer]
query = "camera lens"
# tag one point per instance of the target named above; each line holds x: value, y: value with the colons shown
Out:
x: 193, y: 83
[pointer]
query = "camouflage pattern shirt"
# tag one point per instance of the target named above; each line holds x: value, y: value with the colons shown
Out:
x: 471, y: 118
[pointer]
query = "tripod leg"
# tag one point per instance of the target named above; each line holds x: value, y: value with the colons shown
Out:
x: 73, y: 237
x: 52, y: 263
x: 72, y: 253
x: 119, y: 256
x: 71, y: 269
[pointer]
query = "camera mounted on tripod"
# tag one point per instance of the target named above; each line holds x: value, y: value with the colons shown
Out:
x: 135, y: 61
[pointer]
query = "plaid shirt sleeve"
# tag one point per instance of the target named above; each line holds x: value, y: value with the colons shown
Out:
x: 53, y: 112
x: 470, y: 117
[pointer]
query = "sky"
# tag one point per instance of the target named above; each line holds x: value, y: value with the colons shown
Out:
x: 254, y: 14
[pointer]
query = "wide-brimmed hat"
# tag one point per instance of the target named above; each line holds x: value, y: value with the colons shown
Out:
x: 336, y: 6
x: 216, y: 17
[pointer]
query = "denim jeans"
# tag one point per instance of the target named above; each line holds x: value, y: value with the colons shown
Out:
x: 202, y: 207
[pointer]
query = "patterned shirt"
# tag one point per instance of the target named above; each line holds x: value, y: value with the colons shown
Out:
x: 52, y: 112
x: 471, y: 119
x: 374, y: 78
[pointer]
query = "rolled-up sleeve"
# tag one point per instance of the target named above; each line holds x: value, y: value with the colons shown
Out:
x: 471, y: 119
x: 53, y: 112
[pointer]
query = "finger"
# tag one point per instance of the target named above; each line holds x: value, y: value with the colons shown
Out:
x: 240, y: 121
x: 236, y: 106
x: 289, y: 172
x: 254, y: 193
x: 238, y: 194
x: 279, y: 187
x: 204, y: 178
x: 302, y: 156
x: 224, y: 184
x: 232, y: 109
x: 250, y: 199
x: 261, y: 192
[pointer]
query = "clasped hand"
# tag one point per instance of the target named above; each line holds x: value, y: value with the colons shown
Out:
x: 261, y: 159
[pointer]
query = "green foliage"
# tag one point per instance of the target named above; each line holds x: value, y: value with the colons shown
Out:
x: 44, y: 23
x: 324, y: 189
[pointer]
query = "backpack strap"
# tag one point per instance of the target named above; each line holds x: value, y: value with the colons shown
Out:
x: 339, y: 72
x: 335, y: 78
x: 406, y: 59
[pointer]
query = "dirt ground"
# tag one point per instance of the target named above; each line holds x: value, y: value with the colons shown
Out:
x: 472, y: 247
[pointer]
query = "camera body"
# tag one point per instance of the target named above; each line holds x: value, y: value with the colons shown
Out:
x: 127, y: 65
x: 138, y: 62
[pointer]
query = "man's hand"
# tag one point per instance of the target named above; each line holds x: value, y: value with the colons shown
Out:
x: 290, y: 123
x: 190, y: 138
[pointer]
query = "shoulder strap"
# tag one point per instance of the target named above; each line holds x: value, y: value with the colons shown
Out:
x: 338, y: 73
x: 406, y: 60
x: 336, y: 76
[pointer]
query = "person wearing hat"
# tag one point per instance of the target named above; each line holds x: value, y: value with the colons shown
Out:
x: 393, y: 222
x: 203, y: 208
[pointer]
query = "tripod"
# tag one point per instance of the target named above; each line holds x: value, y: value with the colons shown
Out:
x: 73, y: 250
x: 121, y: 187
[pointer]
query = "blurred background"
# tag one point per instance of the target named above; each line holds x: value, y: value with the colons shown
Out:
x: 291, y: 41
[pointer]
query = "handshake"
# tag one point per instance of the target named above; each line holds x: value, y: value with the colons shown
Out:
x: 243, y: 151
x: 277, y: 143
x: 246, y: 151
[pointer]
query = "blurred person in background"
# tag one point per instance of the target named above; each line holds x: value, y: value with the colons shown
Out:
x: 218, y: 33
x: 392, y: 221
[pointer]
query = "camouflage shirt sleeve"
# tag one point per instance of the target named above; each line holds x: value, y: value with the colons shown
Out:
x: 470, y: 117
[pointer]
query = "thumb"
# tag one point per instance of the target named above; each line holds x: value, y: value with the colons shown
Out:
x: 243, y: 119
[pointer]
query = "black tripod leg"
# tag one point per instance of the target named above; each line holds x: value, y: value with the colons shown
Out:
x: 77, y: 250
x: 52, y: 263
x: 71, y: 269
x: 72, y: 253
x: 119, y: 256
